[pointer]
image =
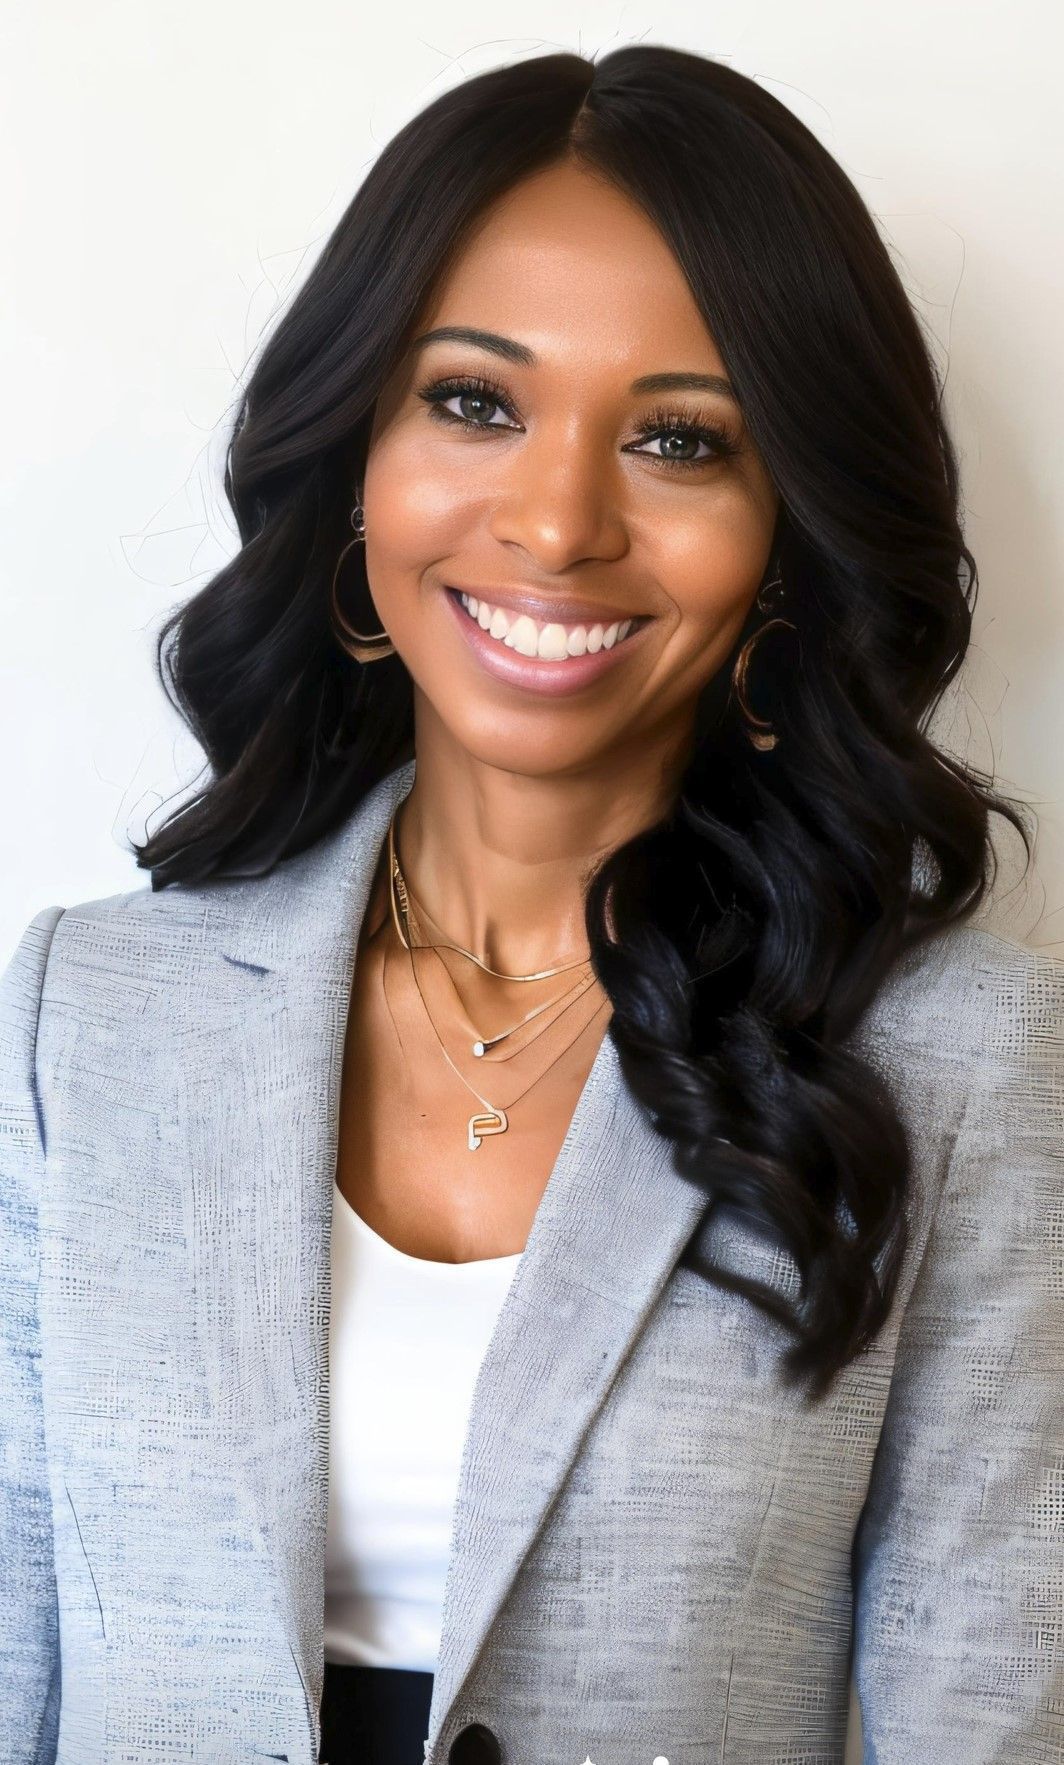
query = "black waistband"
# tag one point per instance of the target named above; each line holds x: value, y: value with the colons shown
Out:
x: 374, y: 1715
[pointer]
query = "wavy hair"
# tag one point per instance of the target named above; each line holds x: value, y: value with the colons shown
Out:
x: 757, y: 921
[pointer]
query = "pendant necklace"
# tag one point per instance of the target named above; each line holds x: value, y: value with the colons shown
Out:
x: 494, y: 1119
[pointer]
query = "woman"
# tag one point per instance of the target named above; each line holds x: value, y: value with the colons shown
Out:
x: 532, y: 1241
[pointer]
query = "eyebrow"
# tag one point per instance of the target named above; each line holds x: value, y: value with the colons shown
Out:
x: 519, y: 353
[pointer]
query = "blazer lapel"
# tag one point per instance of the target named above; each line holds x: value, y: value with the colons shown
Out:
x: 611, y: 1225
x: 257, y: 1056
x: 258, y: 1093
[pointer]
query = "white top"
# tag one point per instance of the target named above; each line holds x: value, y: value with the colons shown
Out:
x: 406, y: 1340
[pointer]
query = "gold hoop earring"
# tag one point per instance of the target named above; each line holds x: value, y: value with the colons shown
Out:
x: 363, y: 648
x: 759, y: 729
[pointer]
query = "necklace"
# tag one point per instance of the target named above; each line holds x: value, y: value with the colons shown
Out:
x: 400, y: 889
x: 495, y: 1119
x: 401, y: 904
x: 481, y: 1043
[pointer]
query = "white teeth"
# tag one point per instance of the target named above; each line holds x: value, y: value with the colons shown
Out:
x: 523, y: 636
x: 553, y: 642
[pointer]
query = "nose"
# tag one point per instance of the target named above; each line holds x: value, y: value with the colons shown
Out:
x: 560, y: 511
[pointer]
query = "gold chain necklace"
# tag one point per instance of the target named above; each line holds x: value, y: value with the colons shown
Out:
x: 415, y: 939
x: 495, y: 1119
x: 399, y: 889
x: 402, y: 904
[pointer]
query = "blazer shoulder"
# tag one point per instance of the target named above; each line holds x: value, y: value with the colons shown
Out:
x: 113, y: 954
x: 969, y: 1013
x: 1020, y: 1045
x: 1020, y: 1049
x: 967, y: 1035
x: 21, y: 987
x: 974, y: 990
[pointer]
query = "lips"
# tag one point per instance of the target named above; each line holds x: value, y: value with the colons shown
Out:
x: 537, y: 674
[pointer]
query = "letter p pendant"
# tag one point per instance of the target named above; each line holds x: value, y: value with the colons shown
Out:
x: 480, y: 1126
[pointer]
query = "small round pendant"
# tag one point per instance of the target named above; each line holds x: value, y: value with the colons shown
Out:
x: 478, y: 1048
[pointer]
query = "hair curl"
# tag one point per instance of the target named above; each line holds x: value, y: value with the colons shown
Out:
x: 757, y: 921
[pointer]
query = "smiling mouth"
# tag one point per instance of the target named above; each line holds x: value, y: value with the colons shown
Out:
x: 545, y: 640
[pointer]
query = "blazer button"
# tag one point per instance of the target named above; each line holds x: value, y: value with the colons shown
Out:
x: 475, y: 1744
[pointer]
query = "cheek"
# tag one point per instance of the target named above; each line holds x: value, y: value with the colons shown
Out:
x: 418, y: 507
x: 711, y: 563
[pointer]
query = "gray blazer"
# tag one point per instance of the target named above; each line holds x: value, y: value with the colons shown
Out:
x: 658, y: 1553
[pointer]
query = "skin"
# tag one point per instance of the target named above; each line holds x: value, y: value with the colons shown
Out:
x: 518, y: 795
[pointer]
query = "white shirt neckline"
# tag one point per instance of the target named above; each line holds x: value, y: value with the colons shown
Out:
x: 426, y: 1263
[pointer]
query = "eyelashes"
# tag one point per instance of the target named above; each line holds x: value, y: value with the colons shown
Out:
x: 657, y: 423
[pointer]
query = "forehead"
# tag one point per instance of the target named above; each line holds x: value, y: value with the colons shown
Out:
x: 569, y: 265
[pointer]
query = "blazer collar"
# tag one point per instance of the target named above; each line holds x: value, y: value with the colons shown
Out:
x: 610, y: 1227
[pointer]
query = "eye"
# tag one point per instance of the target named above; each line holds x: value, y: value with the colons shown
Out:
x: 703, y: 431
x: 471, y: 389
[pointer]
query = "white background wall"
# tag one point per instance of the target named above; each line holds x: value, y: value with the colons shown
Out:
x: 180, y: 166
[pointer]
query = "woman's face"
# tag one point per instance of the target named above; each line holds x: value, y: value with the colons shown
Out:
x: 571, y: 499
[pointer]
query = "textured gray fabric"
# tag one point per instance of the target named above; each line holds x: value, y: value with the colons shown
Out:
x: 658, y: 1552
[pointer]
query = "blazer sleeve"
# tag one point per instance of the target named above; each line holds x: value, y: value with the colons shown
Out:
x: 29, y: 1626
x: 958, y: 1557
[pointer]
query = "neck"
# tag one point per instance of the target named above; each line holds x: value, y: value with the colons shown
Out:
x: 501, y: 858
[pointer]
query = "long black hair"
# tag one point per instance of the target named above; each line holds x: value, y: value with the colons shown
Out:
x: 757, y: 921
